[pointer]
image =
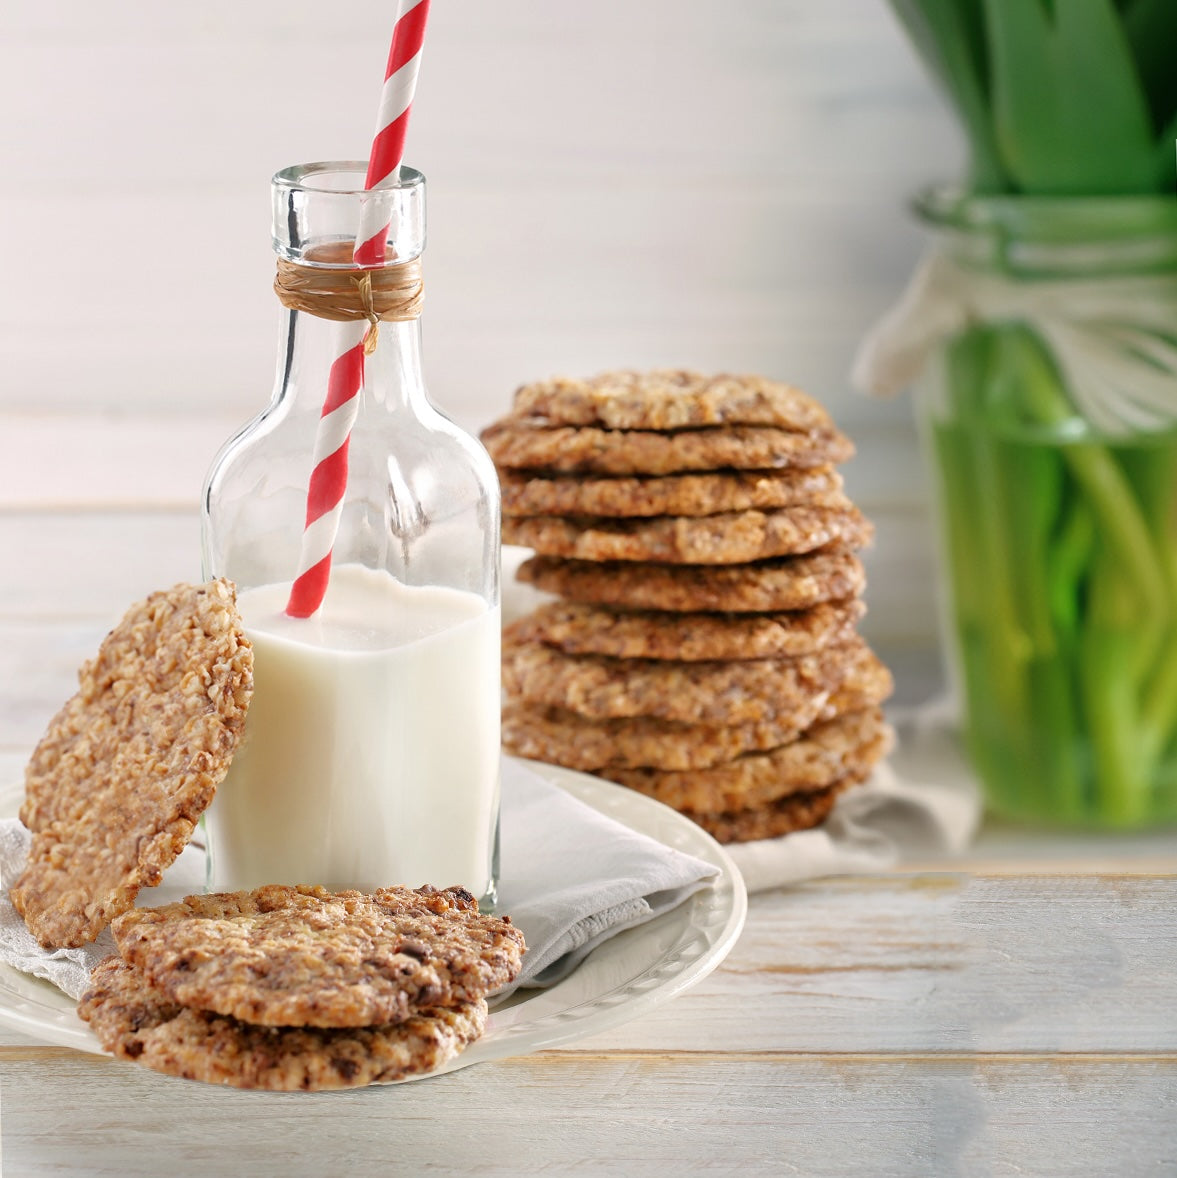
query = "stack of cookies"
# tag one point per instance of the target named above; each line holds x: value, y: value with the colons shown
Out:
x: 703, y: 647
x: 298, y: 988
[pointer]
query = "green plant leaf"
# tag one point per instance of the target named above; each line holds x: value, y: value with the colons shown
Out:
x: 1167, y: 158
x: 1069, y: 112
x: 950, y: 37
x: 1151, y: 29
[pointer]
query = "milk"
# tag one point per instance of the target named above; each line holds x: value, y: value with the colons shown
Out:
x: 371, y: 747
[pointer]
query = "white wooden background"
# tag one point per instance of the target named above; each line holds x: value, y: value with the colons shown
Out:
x: 631, y: 182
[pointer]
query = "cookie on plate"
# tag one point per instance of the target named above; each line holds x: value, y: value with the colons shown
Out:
x: 723, y: 692
x: 530, y: 444
x: 306, y: 957
x: 669, y: 398
x: 768, y: 586
x: 622, y: 496
x: 120, y: 779
x: 135, y: 1022
x: 728, y: 538
x: 576, y: 628
x: 848, y: 745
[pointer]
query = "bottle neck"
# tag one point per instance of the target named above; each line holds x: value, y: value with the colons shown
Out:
x: 309, y: 346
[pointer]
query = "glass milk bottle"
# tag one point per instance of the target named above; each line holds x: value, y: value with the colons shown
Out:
x: 371, y: 749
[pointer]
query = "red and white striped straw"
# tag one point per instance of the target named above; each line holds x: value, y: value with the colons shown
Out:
x: 328, y: 481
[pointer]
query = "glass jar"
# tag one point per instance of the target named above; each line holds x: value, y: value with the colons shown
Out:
x: 371, y: 748
x: 1049, y: 413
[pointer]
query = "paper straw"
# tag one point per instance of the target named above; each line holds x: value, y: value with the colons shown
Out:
x: 392, y: 121
x: 328, y: 481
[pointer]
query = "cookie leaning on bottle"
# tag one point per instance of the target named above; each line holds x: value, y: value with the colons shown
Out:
x: 116, y: 785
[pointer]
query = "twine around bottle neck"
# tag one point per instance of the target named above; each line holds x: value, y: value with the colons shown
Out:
x: 391, y: 293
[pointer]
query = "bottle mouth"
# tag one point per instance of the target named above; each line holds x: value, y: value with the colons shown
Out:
x: 341, y: 178
x: 319, y: 210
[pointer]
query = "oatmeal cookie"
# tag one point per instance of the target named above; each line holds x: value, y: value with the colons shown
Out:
x: 721, y: 692
x: 529, y: 444
x: 786, y: 583
x: 565, y: 738
x: 866, y: 683
x: 135, y: 1022
x: 661, y: 634
x: 303, y: 956
x: 828, y: 752
x: 126, y: 768
x: 561, y: 737
x: 669, y: 399
x: 621, y: 496
x: 794, y: 812
x: 731, y: 538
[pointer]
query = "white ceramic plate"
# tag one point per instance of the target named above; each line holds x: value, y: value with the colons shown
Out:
x: 620, y: 980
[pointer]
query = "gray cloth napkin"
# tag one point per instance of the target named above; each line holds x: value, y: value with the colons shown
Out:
x: 571, y: 878
x: 872, y: 828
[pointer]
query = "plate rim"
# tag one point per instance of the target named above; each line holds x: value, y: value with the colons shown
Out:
x: 727, y: 890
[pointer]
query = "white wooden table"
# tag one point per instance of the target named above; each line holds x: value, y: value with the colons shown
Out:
x: 1013, y: 1012
x: 1008, y: 1020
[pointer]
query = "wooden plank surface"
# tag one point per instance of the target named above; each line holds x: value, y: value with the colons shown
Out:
x: 903, y: 963
x: 894, y: 1025
x: 622, y: 1114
